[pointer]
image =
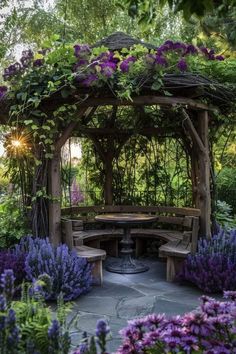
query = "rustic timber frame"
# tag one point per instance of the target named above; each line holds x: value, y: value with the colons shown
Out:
x: 200, y: 160
x: 193, y: 129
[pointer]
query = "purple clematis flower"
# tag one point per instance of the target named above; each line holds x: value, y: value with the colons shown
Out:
x: 182, y: 65
x: 12, y: 70
x: 161, y: 61
x: 38, y: 62
x: 169, y: 43
x: 204, y: 50
x: 179, y: 46
x: 108, y: 68
x: 211, y: 54
x: 90, y: 80
x: 124, y: 66
x: 191, y: 49
x: 27, y: 56
x: 80, y: 63
x: 81, y: 50
x: 219, y: 57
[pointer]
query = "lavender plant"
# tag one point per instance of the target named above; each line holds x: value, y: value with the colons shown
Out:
x: 95, y: 344
x: 70, y: 274
x: 10, y: 260
x: 9, y: 330
x: 213, y: 267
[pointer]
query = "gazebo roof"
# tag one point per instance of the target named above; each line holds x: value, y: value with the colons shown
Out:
x: 119, y: 40
x: 183, y: 87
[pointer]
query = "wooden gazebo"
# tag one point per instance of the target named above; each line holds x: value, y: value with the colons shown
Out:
x: 192, y: 121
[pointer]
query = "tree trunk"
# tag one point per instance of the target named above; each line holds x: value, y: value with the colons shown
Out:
x: 204, y: 194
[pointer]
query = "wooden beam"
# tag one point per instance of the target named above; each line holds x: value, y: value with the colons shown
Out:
x: 145, y: 101
x: 66, y: 134
x: 146, y: 131
x: 193, y: 132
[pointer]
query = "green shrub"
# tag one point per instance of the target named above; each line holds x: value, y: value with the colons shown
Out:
x: 226, y: 186
x: 12, y: 221
x: 224, y: 215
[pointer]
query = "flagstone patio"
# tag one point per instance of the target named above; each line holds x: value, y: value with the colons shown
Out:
x: 123, y: 297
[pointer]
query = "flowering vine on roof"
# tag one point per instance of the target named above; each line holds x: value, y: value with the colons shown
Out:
x: 80, y: 71
x: 124, y: 72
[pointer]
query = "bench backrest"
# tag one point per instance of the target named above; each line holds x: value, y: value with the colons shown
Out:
x: 169, y: 215
x: 186, y: 218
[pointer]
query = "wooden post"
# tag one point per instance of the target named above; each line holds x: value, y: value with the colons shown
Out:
x: 203, y: 190
x: 200, y: 160
x: 55, y: 200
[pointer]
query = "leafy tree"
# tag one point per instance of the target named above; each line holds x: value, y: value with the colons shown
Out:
x: 216, y: 19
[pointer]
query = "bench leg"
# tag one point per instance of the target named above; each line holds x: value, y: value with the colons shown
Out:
x: 111, y: 247
x: 140, y: 247
x: 173, y: 267
x: 93, y: 244
x: 97, y: 272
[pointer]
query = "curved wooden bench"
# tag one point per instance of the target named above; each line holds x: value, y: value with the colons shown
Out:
x: 179, y: 243
x: 95, y: 257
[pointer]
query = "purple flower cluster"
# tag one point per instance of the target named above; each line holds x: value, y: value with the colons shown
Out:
x: 125, y: 64
x: 210, y: 330
x: 7, y: 283
x: 76, y: 194
x: 70, y: 274
x: 59, y: 342
x: 27, y: 56
x: 81, y: 51
x: 213, y: 267
x: 25, y: 62
x: 11, y: 71
x: 107, y: 64
x: 97, y: 344
x: 9, y: 331
x: 101, y: 67
x: 16, y: 262
x: 210, y: 54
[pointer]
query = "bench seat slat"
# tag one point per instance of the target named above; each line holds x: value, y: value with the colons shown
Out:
x: 175, y: 248
x: 165, y: 235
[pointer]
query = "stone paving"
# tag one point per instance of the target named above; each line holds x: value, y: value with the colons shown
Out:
x: 123, y: 297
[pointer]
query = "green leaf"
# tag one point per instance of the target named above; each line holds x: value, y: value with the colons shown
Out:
x: 65, y: 93
x: 28, y: 121
x: 46, y: 127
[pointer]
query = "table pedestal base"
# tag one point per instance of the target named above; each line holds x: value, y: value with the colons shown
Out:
x: 126, y: 264
x: 122, y: 267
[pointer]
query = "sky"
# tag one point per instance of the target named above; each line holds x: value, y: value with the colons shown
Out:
x: 75, y: 150
x: 1, y: 149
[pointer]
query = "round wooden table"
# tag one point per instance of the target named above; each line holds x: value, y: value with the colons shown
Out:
x: 126, y: 264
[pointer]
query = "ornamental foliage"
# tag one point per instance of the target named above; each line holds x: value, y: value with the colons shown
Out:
x: 213, y: 267
x: 28, y: 326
